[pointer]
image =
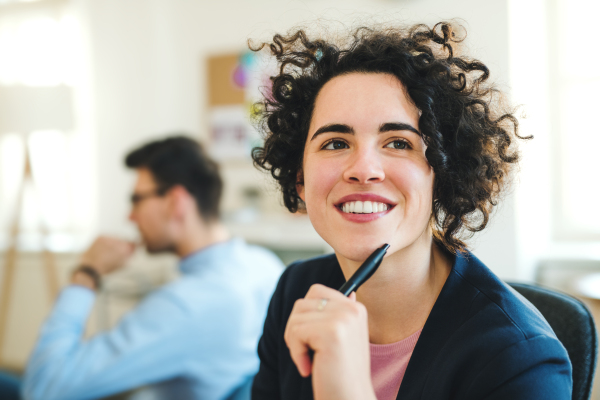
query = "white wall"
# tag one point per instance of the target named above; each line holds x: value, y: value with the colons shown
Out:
x: 149, y: 75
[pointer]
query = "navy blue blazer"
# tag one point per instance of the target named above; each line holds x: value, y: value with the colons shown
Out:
x: 482, y: 340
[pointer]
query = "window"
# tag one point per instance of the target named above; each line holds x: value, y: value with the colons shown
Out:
x: 41, y: 76
x: 575, y: 83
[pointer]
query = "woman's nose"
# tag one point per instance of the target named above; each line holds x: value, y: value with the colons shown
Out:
x: 365, y: 167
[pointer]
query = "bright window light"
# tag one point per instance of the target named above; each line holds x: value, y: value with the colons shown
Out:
x: 38, y: 51
x: 577, y: 81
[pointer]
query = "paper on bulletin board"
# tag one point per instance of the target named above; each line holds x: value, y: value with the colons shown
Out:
x: 232, y: 134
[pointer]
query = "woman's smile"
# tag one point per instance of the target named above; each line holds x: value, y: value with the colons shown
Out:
x: 364, y: 207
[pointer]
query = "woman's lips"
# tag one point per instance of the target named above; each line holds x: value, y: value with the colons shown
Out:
x: 364, y: 197
x: 364, y: 207
x: 355, y: 217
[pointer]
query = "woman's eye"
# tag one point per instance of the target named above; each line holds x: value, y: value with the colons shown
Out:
x: 398, y: 144
x: 335, y: 145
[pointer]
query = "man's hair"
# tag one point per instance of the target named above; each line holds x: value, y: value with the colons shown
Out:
x: 182, y: 161
x: 469, y: 137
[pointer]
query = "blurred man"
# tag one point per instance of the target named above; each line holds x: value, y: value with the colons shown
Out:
x: 194, y: 338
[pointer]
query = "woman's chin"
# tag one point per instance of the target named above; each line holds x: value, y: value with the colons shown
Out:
x: 357, y: 252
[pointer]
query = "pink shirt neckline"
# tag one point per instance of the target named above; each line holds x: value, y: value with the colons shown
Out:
x: 388, y: 365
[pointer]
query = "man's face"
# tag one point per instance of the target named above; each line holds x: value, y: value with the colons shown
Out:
x: 151, y: 211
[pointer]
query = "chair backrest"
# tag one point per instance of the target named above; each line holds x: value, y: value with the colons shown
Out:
x: 574, y: 326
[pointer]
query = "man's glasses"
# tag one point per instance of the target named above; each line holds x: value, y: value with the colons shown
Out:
x: 137, y: 198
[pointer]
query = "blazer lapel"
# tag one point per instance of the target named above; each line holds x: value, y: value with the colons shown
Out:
x: 448, y: 313
x: 306, y: 391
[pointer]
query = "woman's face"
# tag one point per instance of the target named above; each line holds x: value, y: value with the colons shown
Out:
x: 366, y: 178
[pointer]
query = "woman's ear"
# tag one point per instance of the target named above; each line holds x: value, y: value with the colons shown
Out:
x: 300, y: 184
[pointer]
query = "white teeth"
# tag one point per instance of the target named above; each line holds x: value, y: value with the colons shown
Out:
x: 358, y: 207
x: 364, y: 207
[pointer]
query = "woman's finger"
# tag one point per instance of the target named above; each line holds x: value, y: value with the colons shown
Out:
x: 297, y: 341
x: 313, y: 305
x: 318, y: 291
x: 302, y: 359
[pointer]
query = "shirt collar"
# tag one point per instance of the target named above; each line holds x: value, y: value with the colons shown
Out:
x: 208, y: 256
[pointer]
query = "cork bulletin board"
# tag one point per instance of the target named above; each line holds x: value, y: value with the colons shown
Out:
x: 223, y: 88
x: 235, y: 82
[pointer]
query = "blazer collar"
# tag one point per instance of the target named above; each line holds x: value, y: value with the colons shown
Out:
x: 449, y: 312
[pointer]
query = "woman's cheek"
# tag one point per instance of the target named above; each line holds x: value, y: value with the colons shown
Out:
x: 419, y: 194
x: 322, y: 178
x: 412, y: 177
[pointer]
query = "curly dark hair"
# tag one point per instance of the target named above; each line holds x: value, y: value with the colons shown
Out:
x: 468, y: 140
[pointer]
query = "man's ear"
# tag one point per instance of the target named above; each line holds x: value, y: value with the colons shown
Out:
x: 178, y: 198
x: 300, y: 184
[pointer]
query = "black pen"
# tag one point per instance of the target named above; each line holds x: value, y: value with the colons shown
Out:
x: 365, y: 271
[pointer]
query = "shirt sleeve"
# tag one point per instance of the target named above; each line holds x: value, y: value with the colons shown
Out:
x: 535, y: 368
x: 145, y: 347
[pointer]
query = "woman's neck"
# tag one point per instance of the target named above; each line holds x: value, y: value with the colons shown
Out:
x: 400, y: 295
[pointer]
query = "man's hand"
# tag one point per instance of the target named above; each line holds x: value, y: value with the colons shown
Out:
x: 107, y: 254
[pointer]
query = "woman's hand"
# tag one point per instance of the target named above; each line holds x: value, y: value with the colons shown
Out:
x: 336, y: 329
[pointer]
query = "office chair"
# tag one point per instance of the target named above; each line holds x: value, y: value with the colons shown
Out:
x: 574, y: 326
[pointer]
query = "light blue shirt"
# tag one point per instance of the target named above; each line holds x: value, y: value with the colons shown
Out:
x: 194, y: 338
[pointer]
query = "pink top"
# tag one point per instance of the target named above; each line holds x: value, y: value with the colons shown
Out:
x: 388, y: 364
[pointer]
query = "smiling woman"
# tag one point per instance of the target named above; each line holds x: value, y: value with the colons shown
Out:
x: 393, y: 138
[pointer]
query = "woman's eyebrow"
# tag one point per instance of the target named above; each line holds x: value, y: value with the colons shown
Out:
x: 386, y: 127
x: 338, y: 128
x: 397, y: 126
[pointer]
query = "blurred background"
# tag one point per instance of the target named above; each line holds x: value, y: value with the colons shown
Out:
x: 82, y: 82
